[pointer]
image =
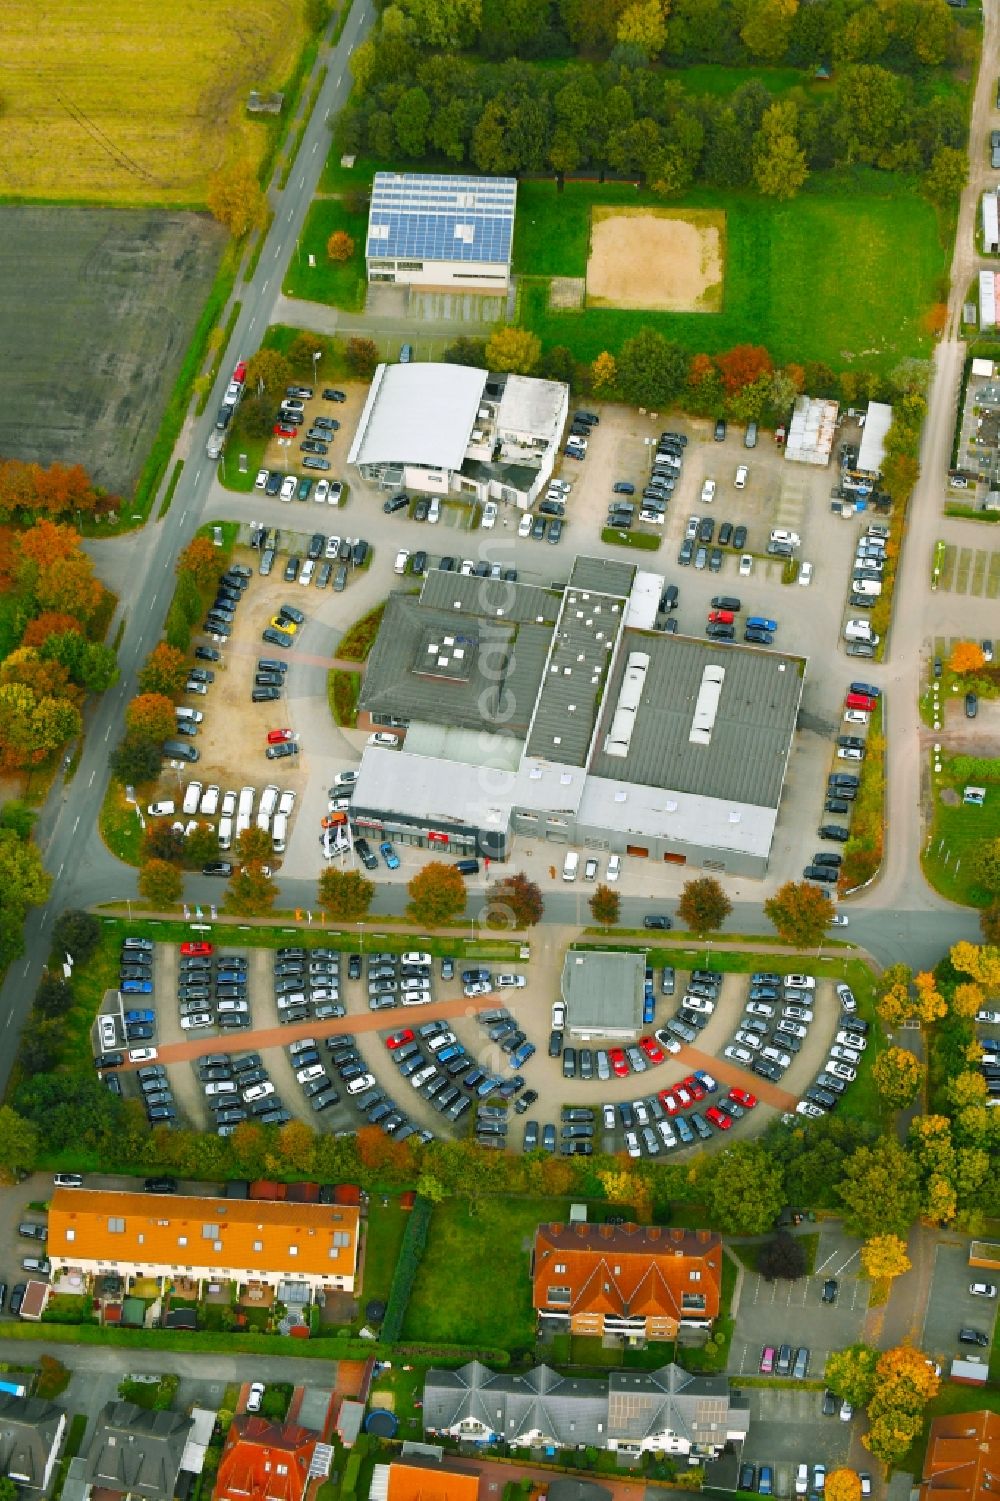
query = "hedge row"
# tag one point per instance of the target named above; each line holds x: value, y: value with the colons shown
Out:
x: 411, y: 1253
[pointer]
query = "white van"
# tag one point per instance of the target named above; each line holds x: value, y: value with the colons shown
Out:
x: 225, y: 833
x: 867, y: 586
x: 210, y: 800
x: 192, y: 716
x: 571, y: 865
x: 242, y: 823
x: 859, y: 630
x: 264, y: 822
x: 279, y: 833
x: 246, y: 800
x: 269, y: 799
x: 192, y: 797
x: 286, y: 802
x: 781, y: 534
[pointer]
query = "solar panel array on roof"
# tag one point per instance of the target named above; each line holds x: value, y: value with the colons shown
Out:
x: 418, y: 216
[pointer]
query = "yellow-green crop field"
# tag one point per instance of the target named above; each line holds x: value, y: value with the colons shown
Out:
x: 135, y: 101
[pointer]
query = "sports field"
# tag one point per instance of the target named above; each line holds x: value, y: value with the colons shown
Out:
x: 97, y: 308
x: 136, y: 101
x: 820, y: 278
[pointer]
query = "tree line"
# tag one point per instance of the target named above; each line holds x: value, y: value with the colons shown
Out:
x: 416, y: 99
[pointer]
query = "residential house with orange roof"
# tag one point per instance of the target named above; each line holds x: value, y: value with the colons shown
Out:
x: 264, y: 1461
x: 638, y: 1282
x: 963, y: 1458
x: 284, y: 1250
x: 423, y: 1479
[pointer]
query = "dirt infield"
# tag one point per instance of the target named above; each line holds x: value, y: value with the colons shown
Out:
x: 671, y: 261
x: 97, y: 307
x: 135, y: 101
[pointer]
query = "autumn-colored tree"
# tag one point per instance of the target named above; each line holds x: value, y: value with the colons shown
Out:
x: 250, y: 892
x: 605, y: 905
x: 32, y: 727
x: 162, y: 841
x: 46, y: 542
x: 603, y: 373
x: 643, y: 24
x: 161, y: 883
x: 800, y: 912
x: 850, y: 1373
x: 340, y: 246
x: 891, y: 1433
x: 201, y: 560
x: 892, y: 994
x: 254, y: 844
x: 62, y: 488
x: 780, y: 166
x: 703, y: 906
x: 742, y: 365
x: 362, y: 357
x: 981, y: 961
x: 931, y: 1005
x: 966, y: 656
x: 516, y: 902
x: 235, y: 199
x: 900, y: 472
x: 345, y: 895
x: 884, y: 1257
x: 151, y: 715
x: 905, y: 1381
x: 842, y: 1485
x: 17, y: 486
x: 898, y: 1075
x: 69, y: 584
x: 49, y: 623
x: 297, y: 1146
x: 437, y: 894
x: 164, y: 671
x: 967, y: 1088
x: 966, y: 999
x: 515, y: 349
x: 268, y: 371
x: 303, y: 352
x: 46, y: 679
x: 985, y: 859
x: 935, y: 320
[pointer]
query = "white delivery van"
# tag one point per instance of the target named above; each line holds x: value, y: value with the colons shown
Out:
x: 246, y: 800
x: 192, y: 716
x: 867, y: 586
x: 269, y: 800
x: 225, y: 833
x: 242, y: 823
x: 279, y: 832
x: 210, y: 801
x: 858, y: 630
x: 570, y: 866
x: 192, y: 797
x: 263, y: 822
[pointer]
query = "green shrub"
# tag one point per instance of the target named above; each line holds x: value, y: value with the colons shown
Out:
x: 411, y: 1254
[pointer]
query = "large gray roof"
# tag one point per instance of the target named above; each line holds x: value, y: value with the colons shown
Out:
x: 420, y: 414
x: 498, y: 599
x: 603, y: 990
x: 29, y: 1427
x: 607, y: 575
x: 744, y: 761
x: 575, y: 674
x: 137, y: 1451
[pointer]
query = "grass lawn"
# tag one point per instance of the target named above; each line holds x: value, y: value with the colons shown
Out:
x: 401, y: 1390
x: 715, y: 79
x: 785, y: 285
x: 342, y: 284
x: 384, y: 1235
x: 456, y: 1296
x: 955, y: 833
x: 591, y: 1352
x: 229, y: 471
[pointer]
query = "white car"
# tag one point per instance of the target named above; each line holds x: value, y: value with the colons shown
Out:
x: 365, y: 1081
x: 708, y: 492
x: 210, y: 800
x: 609, y: 1117
x: 748, y: 1040
x: 345, y: 779
x: 799, y: 982
x: 846, y: 1055
x: 856, y: 716
x: 737, y: 1054
x: 741, y: 476
x: 509, y: 982
x: 255, y: 1396
x: 414, y: 956
x: 228, y: 804
x: 590, y: 870
x: 434, y: 511
x: 632, y: 1144
x: 258, y: 1091
x: 525, y: 524
x: 806, y: 1107
x: 322, y: 492
x: 233, y: 393
x: 402, y: 558
x: 108, y: 1033
x: 489, y: 517
x: 387, y: 742
x: 160, y: 810
x: 332, y: 546
x: 615, y: 867
x: 468, y: 568
x: 668, y: 1042
x: 801, y: 1479
x: 851, y: 1039
x: 308, y: 569
x: 982, y: 1289
x: 806, y: 575
x: 699, y: 1003
x: 198, y: 1020
x: 981, y: 1016
x: 262, y: 478
x: 558, y: 1014
x: 287, y: 487
x: 746, y: 565
x: 286, y: 802
x: 838, y: 921
x: 691, y: 530
x: 841, y: 1070
x: 845, y: 995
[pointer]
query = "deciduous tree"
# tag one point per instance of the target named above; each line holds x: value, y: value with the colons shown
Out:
x: 160, y: 883
x: 268, y: 371
x: 54, y: 995
x: 514, y: 349
x: 767, y: 27
x: 850, y: 1373
x: 603, y: 373
x: 345, y: 895
x: 605, y: 905
x: 985, y: 861
x: 898, y: 1075
x: 946, y: 176
x: 966, y: 656
x: 151, y: 716
x: 989, y: 922
x: 884, y: 1257
x: 69, y: 584
x: 966, y: 999
x: 703, y: 906
x: 742, y: 365
x: 744, y: 1188
x: 879, y: 1190
x: 200, y: 558
x: 842, y: 1485
x: 980, y: 961
x: 164, y: 671
x: 643, y: 24
x: 783, y: 1257
x: 91, y: 665
x: 362, y: 357
x: 136, y: 760
x: 465, y: 351
x: 201, y: 845
x: 516, y: 901
x: 18, y: 1147
x: 302, y: 352
x: 235, y: 199
x: 76, y: 932
x: 930, y: 1003
x: 250, y: 893
x: 49, y: 623
x: 651, y: 370
x: 779, y: 163
x: 32, y: 727
x: 892, y: 994
x: 437, y: 894
x: 254, y: 844
x: 800, y: 912
x: 340, y: 246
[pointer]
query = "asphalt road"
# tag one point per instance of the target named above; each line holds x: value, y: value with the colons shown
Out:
x: 900, y: 918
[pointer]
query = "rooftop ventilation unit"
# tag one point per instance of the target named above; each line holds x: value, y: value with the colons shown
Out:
x: 707, y: 706
x: 620, y: 734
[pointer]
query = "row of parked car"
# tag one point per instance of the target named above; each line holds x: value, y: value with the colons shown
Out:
x: 860, y: 702
x: 213, y: 990
x: 240, y: 1089
x: 399, y: 979
x: 218, y: 623
x: 379, y: 1108
x: 865, y: 585
x: 667, y: 463
x: 298, y: 487
x: 307, y: 984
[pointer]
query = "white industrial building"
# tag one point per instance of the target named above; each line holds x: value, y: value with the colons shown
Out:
x: 991, y: 226
x: 811, y: 431
x: 443, y: 430
x: 987, y: 299
x: 871, y: 452
x: 427, y: 230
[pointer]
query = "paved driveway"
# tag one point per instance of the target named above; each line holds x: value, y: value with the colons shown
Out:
x: 951, y: 1306
x: 775, y: 1313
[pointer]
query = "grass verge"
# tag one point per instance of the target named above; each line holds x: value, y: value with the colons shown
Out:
x: 342, y: 690
x: 221, y: 344
x: 339, y: 283
x: 863, y: 851
x: 119, y: 826
x: 254, y: 256
x: 169, y: 492
x: 356, y: 642
x: 642, y: 541
x: 957, y: 829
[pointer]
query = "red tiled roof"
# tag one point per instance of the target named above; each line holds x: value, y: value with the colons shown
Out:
x: 963, y: 1458
x: 636, y: 1270
x: 264, y: 1462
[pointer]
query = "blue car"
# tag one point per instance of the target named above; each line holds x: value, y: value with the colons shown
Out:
x: 137, y: 987
x: 132, y: 1017
x: 707, y: 1081
x: 389, y: 855
x: 761, y: 623
x: 648, y: 1008
x: 867, y: 688
x: 521, y: 1055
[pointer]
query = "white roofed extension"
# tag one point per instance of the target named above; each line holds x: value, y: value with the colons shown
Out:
x: 419, y: 414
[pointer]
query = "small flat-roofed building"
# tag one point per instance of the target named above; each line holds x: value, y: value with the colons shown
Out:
x: 603, y: 994
x: 455, y: 430
x: 871, y: 453
x: 433, y: 230
x: 811, y: 431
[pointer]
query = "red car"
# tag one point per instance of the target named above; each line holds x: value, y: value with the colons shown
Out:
x: 195, y: 948
x: 398, y: 1038
x: 278, y: 737
x: 683, y: 1095
x: 240, y: 373
x: 619, y: 1063
x: 694, y: 1087
x: 652, y: 1049
x: 281, y: 431
x: 669, y: 1102
x: 718, y: 1118
x: 722, y: 617
x: 743, y: 1097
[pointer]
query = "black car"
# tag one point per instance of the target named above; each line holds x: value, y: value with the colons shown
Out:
x: 421, y: 509
x: 418, y: 562
x: 686, y: 553
x: 555, y: 530
x: 276, y: 638
x: 739, y: 538
x: 265, y: 696
x: 538, y: 528
x: 656, y: 920
x: 354, y: 967
x: 836, y: 805
x: 720, y: 632
x: 395, y: 503
x: 17, y: 1296
x: 217, y: 868
x: 834, y: 831
x: 756, y: 637
x: 821, y: 873
x: 726, y: 602
x: 207, y: 654
x: 706, y: 529
x: 368, y: 858
x: 971, y: 705
x: 334, y: 395
x: 291, y: 572
x: 725, y: 533
x: 317, y: 542
x: 720, y: 430
x: 160, y: 1185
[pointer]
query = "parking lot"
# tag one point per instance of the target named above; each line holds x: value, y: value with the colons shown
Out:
x: 787, y: 1428
x: 951, y: 1307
